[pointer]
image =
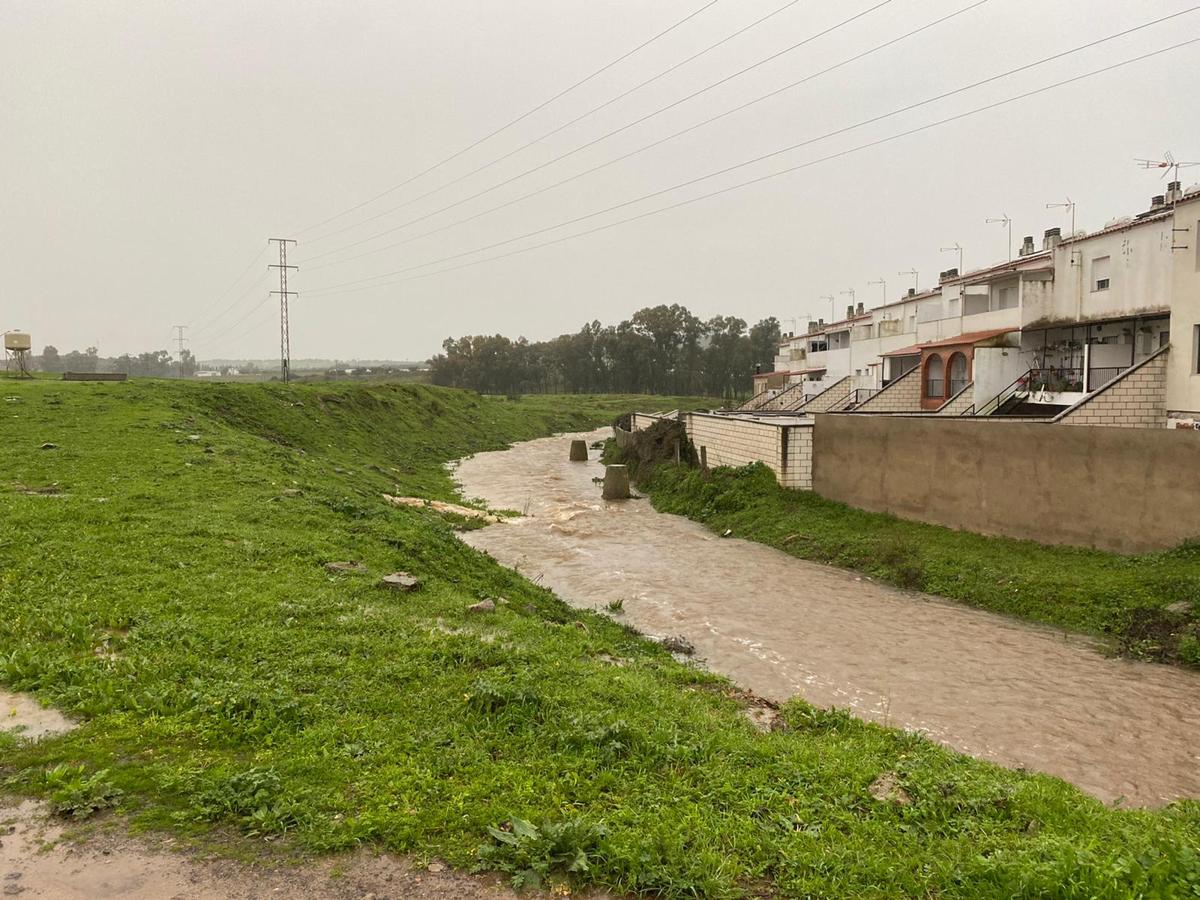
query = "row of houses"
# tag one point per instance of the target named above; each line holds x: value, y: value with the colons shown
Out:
x: 1085, y: 328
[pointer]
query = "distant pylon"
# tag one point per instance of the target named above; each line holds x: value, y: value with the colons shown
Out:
x: 180, y: 340
x: 285, y: 338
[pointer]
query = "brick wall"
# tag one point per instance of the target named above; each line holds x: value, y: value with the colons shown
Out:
x: 789, y: 398
x: 737, y: 441
x: 1136, y: 399
x: 958, y: 404
x: 833, y: 397
x: 902, y: 395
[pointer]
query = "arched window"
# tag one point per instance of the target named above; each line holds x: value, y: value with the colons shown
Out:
x: 958, y: 374
x: 935, y: 377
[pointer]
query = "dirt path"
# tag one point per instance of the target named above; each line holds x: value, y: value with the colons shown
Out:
x: 983, y: 684
x: 36, y: 863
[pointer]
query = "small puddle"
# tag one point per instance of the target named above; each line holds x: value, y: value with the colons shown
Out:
x: 986, y: 685
x: 27, y: 718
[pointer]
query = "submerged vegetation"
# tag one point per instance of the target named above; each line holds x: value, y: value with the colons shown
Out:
x: 164, y: 581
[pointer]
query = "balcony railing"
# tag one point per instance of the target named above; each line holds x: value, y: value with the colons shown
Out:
x: 957, y: 385
x: 935, y: 388
x: 1102, y: 375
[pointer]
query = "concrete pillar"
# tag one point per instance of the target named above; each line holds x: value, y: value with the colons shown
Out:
x: 579, y: 451
x: 616, y: 483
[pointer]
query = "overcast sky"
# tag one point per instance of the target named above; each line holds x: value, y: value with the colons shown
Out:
x: 149, y: 149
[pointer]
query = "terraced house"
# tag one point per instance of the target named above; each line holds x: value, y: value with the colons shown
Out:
x: 1087, y: 328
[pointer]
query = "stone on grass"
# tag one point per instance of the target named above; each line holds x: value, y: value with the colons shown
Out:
x: 347, y: 566
x: 887, y: 789
x: 399, y: 581
x: 1180, y: 608
x: 483, y: 606
x: 48, y: 446
x: 678, y: 644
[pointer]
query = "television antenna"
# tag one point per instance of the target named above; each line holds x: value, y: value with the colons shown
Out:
x: 883, y: 284
x: 916, y: 279
x: 1069, y: 205
x: 957, y: 247
x: 1007, y: 223
x: 832, y: 300
x: 1169, y: 164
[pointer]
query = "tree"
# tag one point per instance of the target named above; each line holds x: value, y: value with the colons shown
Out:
x: 51, y: 362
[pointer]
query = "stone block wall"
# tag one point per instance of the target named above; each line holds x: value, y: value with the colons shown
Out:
x: 835, y: 396
x: 902, y: 395
x: 958, y: 404
x: 1136, y: 399
x: 737, y: 441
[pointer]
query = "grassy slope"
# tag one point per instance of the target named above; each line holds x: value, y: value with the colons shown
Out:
x: 173, y: 597
x: 1125, y: 597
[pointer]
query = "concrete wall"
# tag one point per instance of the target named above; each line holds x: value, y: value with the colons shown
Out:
x: 1137, y: 399
x: 1183, y: 388
x: 1121, y: 489
x: 738, y: 441
x: 902, y: 395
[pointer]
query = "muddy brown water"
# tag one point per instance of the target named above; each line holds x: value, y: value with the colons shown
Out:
x: 983, y: 684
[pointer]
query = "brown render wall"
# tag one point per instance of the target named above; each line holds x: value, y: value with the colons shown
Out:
x: 902, y: 395
x: 1122, y: 489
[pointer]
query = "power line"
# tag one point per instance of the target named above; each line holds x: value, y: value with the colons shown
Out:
x: 242, y: 296
x: 212, y: 339
x: 518, y: 119
x: 758, y: 180
x: 643, y: 148
x: 591, y: 143
x: 780, y: 151
x: 221, y: 296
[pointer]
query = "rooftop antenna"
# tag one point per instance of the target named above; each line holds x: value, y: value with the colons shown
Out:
x: 832, y: 300
x: 957, y: 247
x: 1170, y: 166
x: 1007, y: 223
x: 916, y: 279
x: 850, y: 294
x: 1070, y: 205
x: 884, y: 285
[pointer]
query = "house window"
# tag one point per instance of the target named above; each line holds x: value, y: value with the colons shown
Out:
x: 935, y: 378
x: 1100, y: 278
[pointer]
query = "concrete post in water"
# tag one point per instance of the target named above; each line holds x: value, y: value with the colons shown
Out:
x: 579, y: 451
x: 616, y: 483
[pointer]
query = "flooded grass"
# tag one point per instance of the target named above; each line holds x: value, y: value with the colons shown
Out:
x: 239, y: 684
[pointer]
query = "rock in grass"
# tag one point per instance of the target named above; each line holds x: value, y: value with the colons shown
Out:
x: 483, y: 606
x: 48, y: 446
x: 887, y: 789
x: 337, y: 568
x: 399, y: 581
x: 678, y: 644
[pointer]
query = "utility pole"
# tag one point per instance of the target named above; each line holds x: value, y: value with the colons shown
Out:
x: 285, y: 338
x: 180, y: 340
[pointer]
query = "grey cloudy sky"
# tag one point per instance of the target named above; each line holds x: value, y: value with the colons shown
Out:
x: 150, y: 148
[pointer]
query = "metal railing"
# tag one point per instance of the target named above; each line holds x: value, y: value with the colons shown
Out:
x: 957, y: 385
x: 862, y: 395
x: 1102, y: 375
x: 1020, y: 384
x: 935, y: 388
x: 969, y: 411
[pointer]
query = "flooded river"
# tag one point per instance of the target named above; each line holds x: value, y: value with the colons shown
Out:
x: 986, y: 685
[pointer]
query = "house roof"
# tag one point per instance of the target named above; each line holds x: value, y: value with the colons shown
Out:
x: 970, y: 337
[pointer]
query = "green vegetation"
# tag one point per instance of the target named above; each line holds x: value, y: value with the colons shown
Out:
x: 164, y: 581
x: 1146, y: 604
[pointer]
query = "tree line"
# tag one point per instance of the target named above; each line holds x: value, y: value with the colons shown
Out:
x: 152, y: 364
x: 658, y: 350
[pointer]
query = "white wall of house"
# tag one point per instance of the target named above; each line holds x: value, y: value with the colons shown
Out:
x: 994, y: 369
x: 1123, y: 270
x: 1183, y: 364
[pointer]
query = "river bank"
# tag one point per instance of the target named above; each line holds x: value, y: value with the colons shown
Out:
x: 991, y: 686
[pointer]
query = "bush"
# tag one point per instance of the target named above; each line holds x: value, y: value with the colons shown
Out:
x: 531, y: 854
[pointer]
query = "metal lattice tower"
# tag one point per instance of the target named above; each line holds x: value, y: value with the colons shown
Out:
x: 285, y: 338
x: 180, y: 340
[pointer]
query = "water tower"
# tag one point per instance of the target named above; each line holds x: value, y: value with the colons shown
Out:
x: 17, y: 346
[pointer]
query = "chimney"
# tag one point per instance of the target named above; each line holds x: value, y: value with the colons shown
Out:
x: 1027, y: 247
x: 949, y: 274
x: 820, y: 324
x: 812, y: 326
x: 861, y: 309
x: 850, y: 311
x: 912, y: 292
x: 1052, y: 238
x: 1174, y: 192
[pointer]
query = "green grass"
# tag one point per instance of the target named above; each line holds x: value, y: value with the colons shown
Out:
x: 1124, y: 598
x: 163, y: 581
